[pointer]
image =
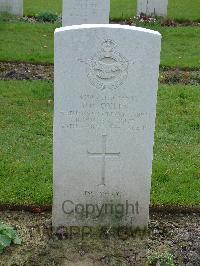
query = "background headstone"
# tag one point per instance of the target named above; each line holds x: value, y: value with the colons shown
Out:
x: 152, y: 7
x: 104, y: 121
x: 14, y: 7
x: 78, y: 12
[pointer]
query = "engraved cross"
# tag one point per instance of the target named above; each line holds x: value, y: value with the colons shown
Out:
x: 104, y: 154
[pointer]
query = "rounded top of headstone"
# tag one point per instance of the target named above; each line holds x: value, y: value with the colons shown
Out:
x: 107, y: 26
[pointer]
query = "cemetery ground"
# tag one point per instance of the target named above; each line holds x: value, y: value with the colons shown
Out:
x: 34, y: 43
x: 26, y: 135
x: 181, y: 10
x: 26, y: 99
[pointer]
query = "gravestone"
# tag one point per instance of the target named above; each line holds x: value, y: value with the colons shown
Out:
x: 78, y: 12
x: 152, y: 7
x: 104, y: 121
x: 14, y: 7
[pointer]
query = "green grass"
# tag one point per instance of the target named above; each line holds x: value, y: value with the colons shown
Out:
x: 180, y: 46
x: 27, y: 42
x: 34, y: 43
x: 26, y: 144
x: 184, y: 10
x: 33, y: 7
x: 26, y: 139
x: 178, y: 9
x: 125, y: 9
x: 176, y: 172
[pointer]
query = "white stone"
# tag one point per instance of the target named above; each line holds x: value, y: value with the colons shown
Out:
x: 78, y: 12
x: 152, y: 7
x: 106, y: 79
x: 14, y: 7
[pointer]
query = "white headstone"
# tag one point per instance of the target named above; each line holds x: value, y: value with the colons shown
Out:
x: 152, y: 7
x: 106, y: 79
x: 14, y: 7
x: 78, y: 12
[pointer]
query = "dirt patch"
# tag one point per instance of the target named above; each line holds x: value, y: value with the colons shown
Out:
x: 28, y: 71
x: 177, y: 76
x: 176, y: 234
x: 25, y: 71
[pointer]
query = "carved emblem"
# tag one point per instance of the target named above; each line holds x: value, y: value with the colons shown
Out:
x: 107, y: 69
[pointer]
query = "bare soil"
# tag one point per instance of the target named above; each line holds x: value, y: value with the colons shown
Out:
x: 177, y: 76
x: 176, y: 234
x: 25, y: 71
x: 28, y: 71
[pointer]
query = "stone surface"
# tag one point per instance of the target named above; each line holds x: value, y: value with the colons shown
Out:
x: 152, y: 7
x: 78, y: 12
x: 14, y: 7
x: 104, y: 121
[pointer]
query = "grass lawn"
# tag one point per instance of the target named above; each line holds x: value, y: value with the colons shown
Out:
x: 26, y: 144
x: 180, y: 46
x: 34, y: 43
x: 26, y: 42
x: 178, y: 9
x: 184, y: 10
x: 33, y: 7
x: 26, y: 135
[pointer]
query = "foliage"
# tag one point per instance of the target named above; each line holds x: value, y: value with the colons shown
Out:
x: 47, y: 17
x: 165, y: 259
x: 8, y: 236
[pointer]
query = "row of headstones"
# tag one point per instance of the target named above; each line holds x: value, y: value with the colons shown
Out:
x: 105, y: 87
x: 95, y: 11
x: 76, y: 10
x: 14, y: 7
